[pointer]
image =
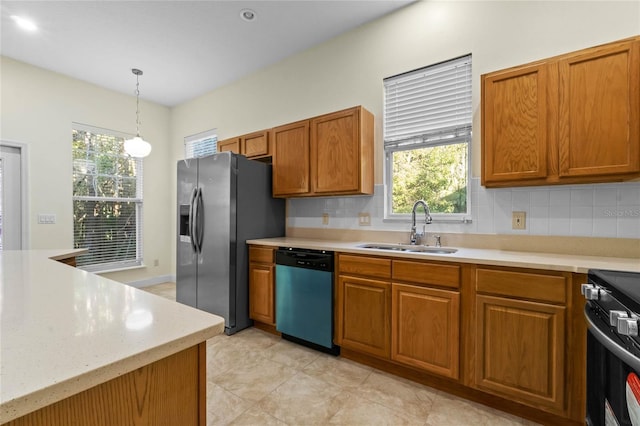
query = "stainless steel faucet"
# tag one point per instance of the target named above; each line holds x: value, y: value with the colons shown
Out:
x: 414, y: 236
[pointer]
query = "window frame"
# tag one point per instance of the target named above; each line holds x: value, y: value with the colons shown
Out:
x: 138, y: 201
x: 414, y: 142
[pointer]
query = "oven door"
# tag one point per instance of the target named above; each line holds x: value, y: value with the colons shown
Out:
x: 613, y: 374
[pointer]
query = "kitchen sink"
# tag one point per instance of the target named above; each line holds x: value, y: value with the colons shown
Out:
x: 409, y: 248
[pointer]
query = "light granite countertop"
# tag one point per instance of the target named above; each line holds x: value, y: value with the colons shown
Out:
x: 64, y: 330
x: 519, y: 259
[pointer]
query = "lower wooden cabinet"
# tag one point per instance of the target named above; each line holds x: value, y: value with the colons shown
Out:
x: 520, y: 350
x: 520, y: 335
x: 364, y: 321
x: 425, y: 328
x: 262, y: 285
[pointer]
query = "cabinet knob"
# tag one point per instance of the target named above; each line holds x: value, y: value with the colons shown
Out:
x: 615, y: 315
x: 590, y: 292
x: 628, y: 326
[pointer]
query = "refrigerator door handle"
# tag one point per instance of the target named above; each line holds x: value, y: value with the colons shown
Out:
x: 192, y: 198
x: 199, y: 220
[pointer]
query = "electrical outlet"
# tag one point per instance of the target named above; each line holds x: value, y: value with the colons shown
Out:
x: 325, y: 218
x: 156, y: 262
x: 364, y: 219
x: 519, y: 220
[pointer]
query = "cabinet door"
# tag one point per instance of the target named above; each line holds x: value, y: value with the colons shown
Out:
x: 520, y: 351
x: 232, y: 145
x: 599, y: 123
x: 291, y: 159
x: 335, y: 155
x: 261, y: 294
x: 514, y: 124
x: 426, y: 328
x: 256, y: 144
x: 364, y: 322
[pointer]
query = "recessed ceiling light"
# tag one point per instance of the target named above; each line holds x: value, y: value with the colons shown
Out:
x: 24, y: 23
x: 248, y: 15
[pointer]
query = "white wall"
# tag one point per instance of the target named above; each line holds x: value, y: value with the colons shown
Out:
x: 38, y: 108
x: 349, y: 69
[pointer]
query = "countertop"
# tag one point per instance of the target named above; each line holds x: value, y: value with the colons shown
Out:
x: 64, y: 330
x: 519, y: 259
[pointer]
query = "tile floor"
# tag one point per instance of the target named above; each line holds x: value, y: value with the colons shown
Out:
x: 255, y: 378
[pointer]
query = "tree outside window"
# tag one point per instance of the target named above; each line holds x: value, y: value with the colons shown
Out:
x: 107, y: 200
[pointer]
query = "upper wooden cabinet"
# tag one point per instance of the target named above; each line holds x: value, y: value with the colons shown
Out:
x: 514, y: 129
x: 574, y: 118
x: 256, y: 145
x: 253, y: 145
x: 327, y: 155
x: 231, y: 144
x: 291, y: 165
x: 599, y: 125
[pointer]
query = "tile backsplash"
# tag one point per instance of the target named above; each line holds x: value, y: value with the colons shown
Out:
x: 600, y: 210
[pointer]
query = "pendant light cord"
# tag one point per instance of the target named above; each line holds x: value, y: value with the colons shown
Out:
x: 138, y: 73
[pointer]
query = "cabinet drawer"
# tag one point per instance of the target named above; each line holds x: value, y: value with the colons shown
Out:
x: 427, y: 273
x: 260, y: 254
x: 360, y: 265
x: 525, y: 285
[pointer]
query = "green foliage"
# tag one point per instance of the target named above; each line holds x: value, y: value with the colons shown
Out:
x: 107, y: 227
x: 437, y: 175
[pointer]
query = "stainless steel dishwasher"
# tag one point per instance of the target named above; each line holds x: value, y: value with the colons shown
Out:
x: 304, y: 297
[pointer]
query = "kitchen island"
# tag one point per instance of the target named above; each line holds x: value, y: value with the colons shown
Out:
x: 77, y: 348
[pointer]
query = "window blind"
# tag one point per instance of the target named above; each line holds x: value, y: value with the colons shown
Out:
x: 429, y: 106
x: 201, y: 144
x: 107, y: 200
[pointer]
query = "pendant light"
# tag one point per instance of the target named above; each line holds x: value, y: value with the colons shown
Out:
x: 137, y: 147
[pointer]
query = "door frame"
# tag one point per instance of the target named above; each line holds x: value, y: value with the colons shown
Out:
x: 24, y: 183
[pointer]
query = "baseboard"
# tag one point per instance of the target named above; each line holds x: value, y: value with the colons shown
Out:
x: 152, y: 281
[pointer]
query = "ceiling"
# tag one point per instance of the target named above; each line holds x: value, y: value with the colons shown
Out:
x: 184, y: 48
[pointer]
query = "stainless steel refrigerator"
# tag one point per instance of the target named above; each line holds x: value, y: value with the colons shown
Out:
x: 223, y: 200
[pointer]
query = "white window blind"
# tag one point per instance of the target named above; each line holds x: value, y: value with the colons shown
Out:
x: 107, y: 200
x: 201, y: 144
x: 429, y: 106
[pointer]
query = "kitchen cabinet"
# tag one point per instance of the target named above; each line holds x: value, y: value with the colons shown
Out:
x: 326, y: 155
x: 231, y: 144
x: 574, y: 118
x: 262, y: 284
x: 398, y: 310
x: 514, y: 124
x: 520, y: 336
x: 364, y: 305
x: 291, y: 164
x: 425, y: 319
x: 256, y: 145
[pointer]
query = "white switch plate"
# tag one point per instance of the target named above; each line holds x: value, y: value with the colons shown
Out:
x: 46, y: 218
x: 325, y: 218
x: 519, y: 220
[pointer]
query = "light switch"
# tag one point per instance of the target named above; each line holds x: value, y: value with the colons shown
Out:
x: 46, y: 218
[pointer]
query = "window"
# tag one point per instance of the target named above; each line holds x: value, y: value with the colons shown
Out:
x: 427, y: 134
x: 107, y: 200
x: 201, y: 144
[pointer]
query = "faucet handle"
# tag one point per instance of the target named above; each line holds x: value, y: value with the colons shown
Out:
x: 437, y: 237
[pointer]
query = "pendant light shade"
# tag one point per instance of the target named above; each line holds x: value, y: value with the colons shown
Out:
x: 137, y: 147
